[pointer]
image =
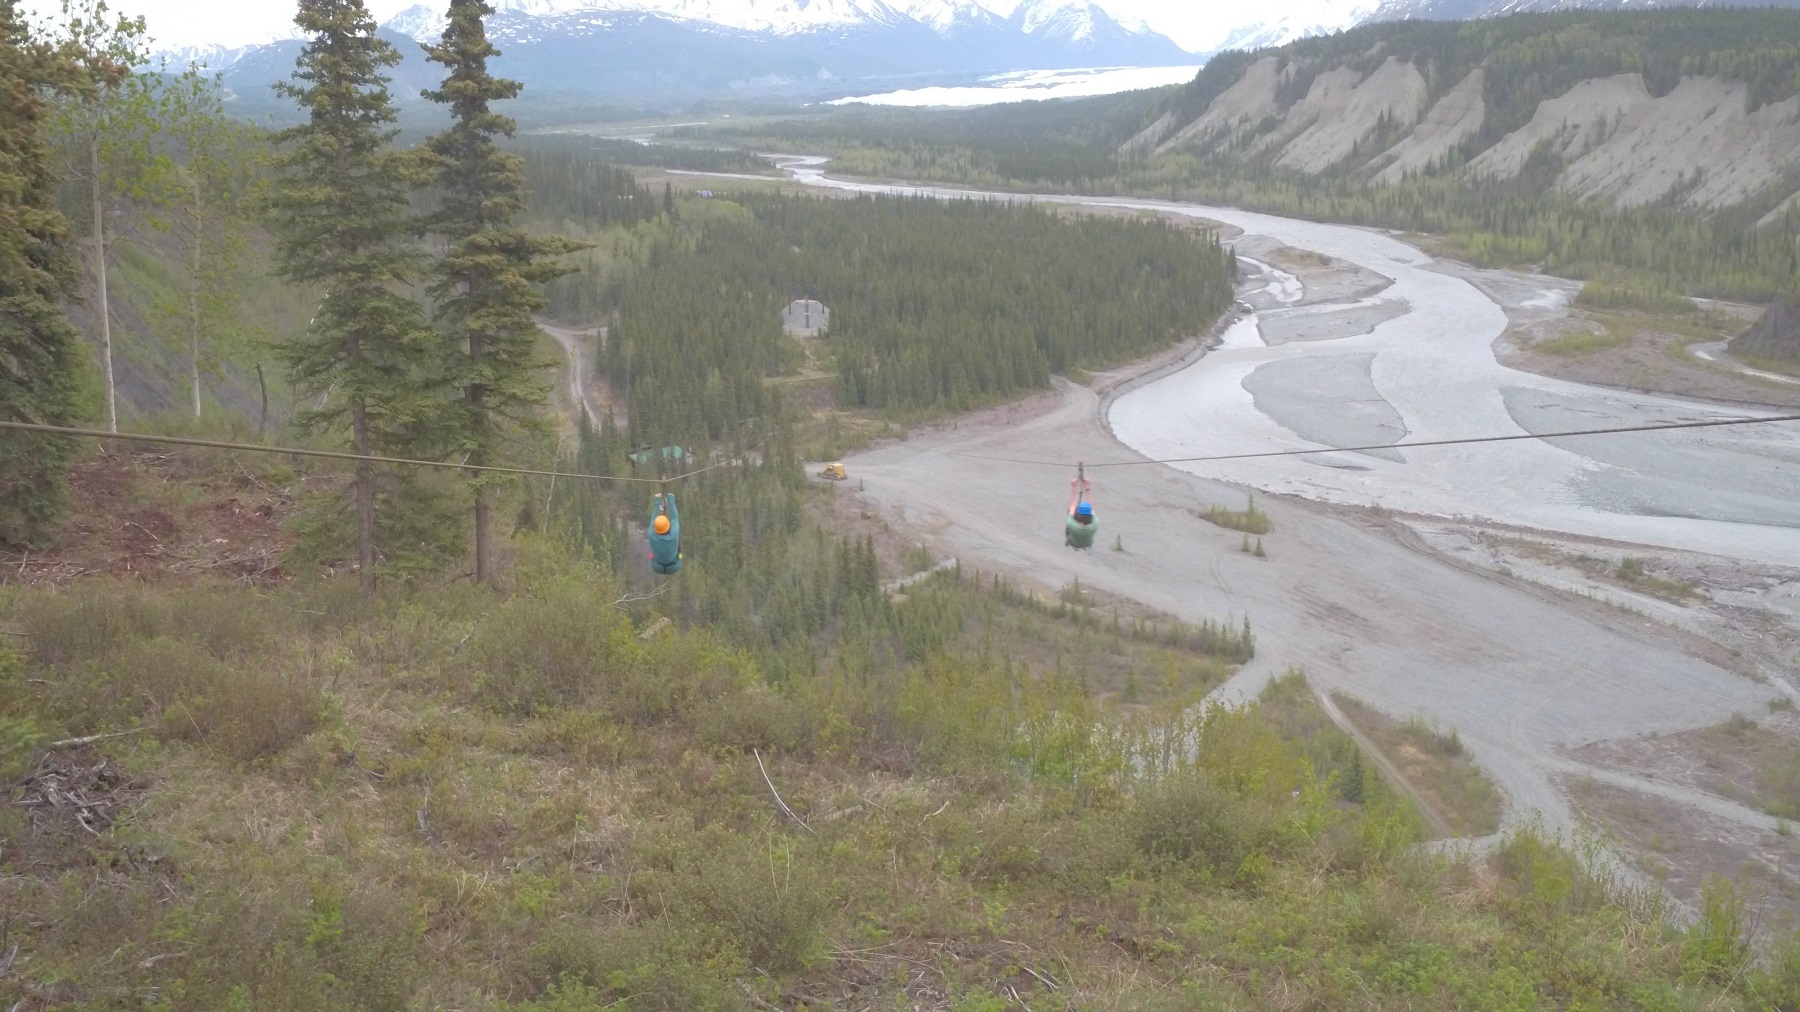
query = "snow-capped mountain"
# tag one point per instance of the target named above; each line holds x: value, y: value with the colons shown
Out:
x: 682, y: 50
x: 208, y: 57
x: 1281, y: 24
x: 420, y: 22
x: 1072, y: 20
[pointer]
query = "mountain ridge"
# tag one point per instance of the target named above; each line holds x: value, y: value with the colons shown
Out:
x: 1695, y: 111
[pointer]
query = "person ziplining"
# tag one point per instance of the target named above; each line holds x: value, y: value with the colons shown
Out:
x: 665, y: 535
x: 1080, y: 526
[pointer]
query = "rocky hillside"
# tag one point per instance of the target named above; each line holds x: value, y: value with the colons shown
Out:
x: 1457, y: 10
x: 1694, y: 109
x: 1776, y: 335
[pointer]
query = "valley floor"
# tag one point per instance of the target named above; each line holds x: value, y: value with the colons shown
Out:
x: 1533, y: 633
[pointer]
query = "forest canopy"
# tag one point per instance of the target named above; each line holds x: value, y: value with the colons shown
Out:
x: 936, y: 304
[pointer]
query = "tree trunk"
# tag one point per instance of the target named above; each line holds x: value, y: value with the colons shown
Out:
x: 484, y: 552
x: 194, y: 296
x: 365, y: 498
x: 484, y: 562
x: 194, y: 373
x: 106, y: 349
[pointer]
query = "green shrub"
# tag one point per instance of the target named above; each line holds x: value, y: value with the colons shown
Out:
x: 1545, y: 880
x: 246, y: 711
x: 1250, y: 519
x: 250, y: 716
x: 643, y: 967
x: 558, y: 646
x: 1776, y: 982
x: 228, y: 623
x: 762, y: 897
x: 1187, y: 818
x: 1084, y: 856
x: 675, y: 674
x: 86, y: 621
x: 19, y: 734
x: 1644, y: 295
x: 1715, y: 948
x: 756, y: 718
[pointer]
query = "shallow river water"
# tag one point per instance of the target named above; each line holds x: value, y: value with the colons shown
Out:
x: 1427, y: 371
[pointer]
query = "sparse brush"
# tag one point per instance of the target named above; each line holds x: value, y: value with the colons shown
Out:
x: 1250, y: 520
x: 918, y: 559
x: 1739, y: 724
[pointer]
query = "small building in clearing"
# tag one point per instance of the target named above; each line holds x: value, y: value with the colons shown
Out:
x: 805, y: 318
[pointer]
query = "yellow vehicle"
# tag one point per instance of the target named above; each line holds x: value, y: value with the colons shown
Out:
x: 834, y: 471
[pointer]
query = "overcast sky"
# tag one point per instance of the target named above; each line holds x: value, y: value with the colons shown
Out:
x: 178, y: 23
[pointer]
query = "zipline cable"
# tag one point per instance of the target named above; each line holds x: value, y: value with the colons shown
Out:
x: 338, y: 455
x: 1617, y: 430
x: 213, y: 444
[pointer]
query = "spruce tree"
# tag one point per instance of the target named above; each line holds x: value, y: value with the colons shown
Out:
x: 42, y: 361
x: 341, y: 214
x: 487, y: 284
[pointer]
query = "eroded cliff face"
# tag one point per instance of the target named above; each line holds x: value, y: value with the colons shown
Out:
x: 1776, y: 335
x: 1690, y: 140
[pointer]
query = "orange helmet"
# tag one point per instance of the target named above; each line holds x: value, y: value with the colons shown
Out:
x: 661, y: 523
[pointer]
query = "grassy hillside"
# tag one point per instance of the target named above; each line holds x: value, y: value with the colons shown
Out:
x: 548, y: 799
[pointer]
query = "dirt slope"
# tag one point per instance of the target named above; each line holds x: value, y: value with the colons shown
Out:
x: 1708, y: 143
x: 1776, y: 334
x: 1701, y: 143
x: 1244, y: 103
x: 1567, y: 126
x: 1455, y: 118
x: 1344, y: 112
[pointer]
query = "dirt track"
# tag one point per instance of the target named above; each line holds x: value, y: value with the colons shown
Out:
x: 578, y: 372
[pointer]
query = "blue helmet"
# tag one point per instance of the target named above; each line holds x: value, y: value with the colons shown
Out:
x: 1086, y: 509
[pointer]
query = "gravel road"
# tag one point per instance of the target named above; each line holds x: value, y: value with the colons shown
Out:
x: 578, y: 372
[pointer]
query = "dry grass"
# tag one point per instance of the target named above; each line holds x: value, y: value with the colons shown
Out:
x: 1437, y: 765
x: 1581, y: 343
x: 508, y: 802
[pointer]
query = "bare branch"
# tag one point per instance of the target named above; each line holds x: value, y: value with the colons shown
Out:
x: 635, y: 598
x: 789, y: 812
x: 92, y: 738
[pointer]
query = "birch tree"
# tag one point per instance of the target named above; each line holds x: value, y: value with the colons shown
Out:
x: 209, y: 200
x: 107, y: 136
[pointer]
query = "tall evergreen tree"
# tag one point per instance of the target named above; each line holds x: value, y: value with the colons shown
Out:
x: 487, y: 285
x: 42, y: 361
x: 342, y: 218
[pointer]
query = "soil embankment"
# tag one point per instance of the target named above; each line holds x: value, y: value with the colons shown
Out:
x: 1776, y: 336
